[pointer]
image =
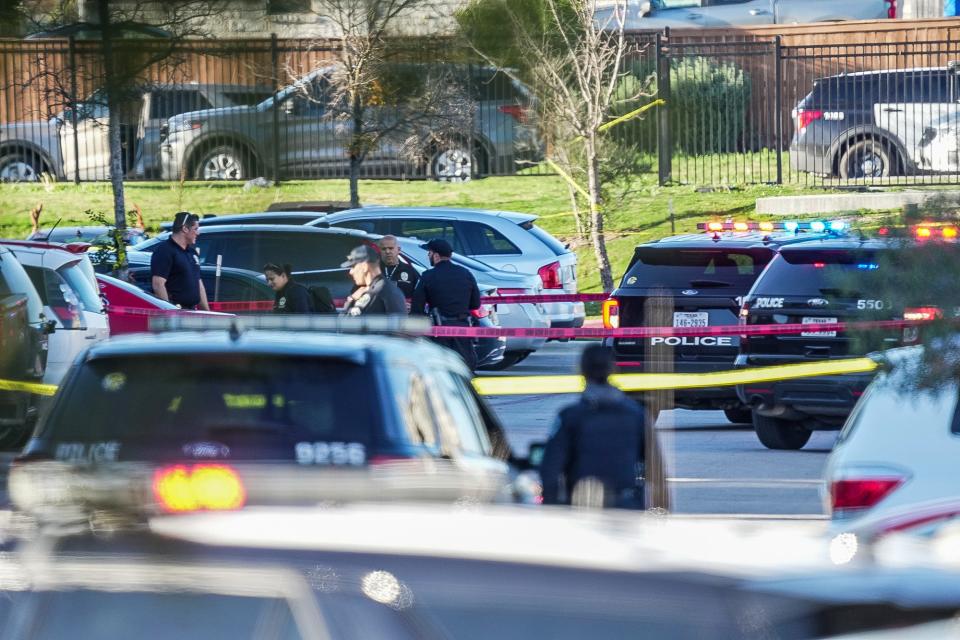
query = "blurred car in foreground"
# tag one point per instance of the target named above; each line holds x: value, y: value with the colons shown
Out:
x: 898, y: 448
x: 315, y: 393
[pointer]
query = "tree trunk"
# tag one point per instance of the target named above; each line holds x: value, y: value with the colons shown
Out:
x: 113, y: 126
x: 581, y: 233
x: 596, y: 216
x: 356, y: 154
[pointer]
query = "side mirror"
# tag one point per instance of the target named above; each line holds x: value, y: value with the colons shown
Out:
x: 49, y: 327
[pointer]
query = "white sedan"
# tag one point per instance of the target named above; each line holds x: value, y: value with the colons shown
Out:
x: 898, y: 451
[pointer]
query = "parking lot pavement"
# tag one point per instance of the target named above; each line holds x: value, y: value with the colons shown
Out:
x: 714, y: 466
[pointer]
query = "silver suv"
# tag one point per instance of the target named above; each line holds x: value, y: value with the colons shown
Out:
x: 56, y: 147
x: 312, y: 141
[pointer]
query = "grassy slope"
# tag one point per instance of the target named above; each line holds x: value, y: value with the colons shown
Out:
x: 642, y: 216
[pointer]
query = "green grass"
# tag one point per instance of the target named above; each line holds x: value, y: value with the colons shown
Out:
x: 643, y: 215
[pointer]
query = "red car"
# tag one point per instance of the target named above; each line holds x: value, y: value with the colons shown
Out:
x: 129, y: 308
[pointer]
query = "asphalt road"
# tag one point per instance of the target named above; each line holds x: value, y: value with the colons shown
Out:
x: 713, y: 466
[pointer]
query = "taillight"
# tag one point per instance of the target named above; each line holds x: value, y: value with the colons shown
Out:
x: 201, y: 487
x: 806, y: 116
x: 922, y: 314
x: 891, y: 9
x: 515, y: 111
x: 550, y: 274
x: 862, y: 493
x: 611, y: 314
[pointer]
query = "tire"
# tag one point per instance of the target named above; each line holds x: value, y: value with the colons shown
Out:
x: 20, y: 167
x: 222, y: 163
x: 867, y: 159
x: 454, y: 162
x: 510, y: 358
x: 775, y: 433
x: 741, y: 415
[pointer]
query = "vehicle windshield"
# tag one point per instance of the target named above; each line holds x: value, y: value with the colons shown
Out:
x: 708, y: 269
x: 14, y: 280
x: 818, y: 272
x: 83, y: 280
x: 260, y: 406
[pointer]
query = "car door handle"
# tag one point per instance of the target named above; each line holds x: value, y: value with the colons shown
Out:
x: 888, y: 110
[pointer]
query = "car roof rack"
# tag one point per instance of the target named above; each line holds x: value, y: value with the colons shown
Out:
x: 400, y: 325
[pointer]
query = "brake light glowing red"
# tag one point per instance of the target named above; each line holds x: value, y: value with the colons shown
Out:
x: 922, y: 314
x: 611, y: 313
x: 819, y: 265
x: 806, y: 116
x: 861, y: 493
x: 201, y: 487
x: 550, y: 275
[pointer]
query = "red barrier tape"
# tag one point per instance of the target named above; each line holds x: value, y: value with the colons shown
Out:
x: 257, y: 305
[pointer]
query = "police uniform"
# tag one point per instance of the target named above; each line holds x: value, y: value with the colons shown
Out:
x: 293, y: 298
x: 405, y: 277
x: 448, y: 293
x: 181, y: 269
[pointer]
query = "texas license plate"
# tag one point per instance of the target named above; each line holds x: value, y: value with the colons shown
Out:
x: 690, y: 319
x: 818, y: 334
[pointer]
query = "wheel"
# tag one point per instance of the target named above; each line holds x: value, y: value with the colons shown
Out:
x: 221, y: 163
x: 741, y: 415
x: 18, y: 167
x: 775, y: 433
x: 866, y: 159
x: 510, y: 358
x: 454, y: 162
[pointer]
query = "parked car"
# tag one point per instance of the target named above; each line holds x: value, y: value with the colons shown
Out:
x: 700, y: 14
x: 898, y: 449
x: 129, y: 308
x: 238, y: 143
x: 262, y: 217
x: 495, y: 282
x: 505, y: 240
x: 877, y: 124
x: 233, y: 285
x: 91, y: 234
x: 64, y: 278
x: 56, y: 147
x: 23, y: 347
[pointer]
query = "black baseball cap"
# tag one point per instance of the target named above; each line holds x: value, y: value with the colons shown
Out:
x: 439, y: 246
x: 359, y: 254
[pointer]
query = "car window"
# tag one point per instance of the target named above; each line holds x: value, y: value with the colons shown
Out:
x: 259, y: 406
x: 232, y: 288
x: 659, y: 5
x: 113, y: 614
x: 143, y: 280
x: 413, y: 404
x: 493, y: 85
x: 246, y: 98
x: 14, y: 279
x: 458, y: 417
x: 84, y: 285
x: 370, y: 226
x: 168, y: 103
x: 485, y: 240
x: 915, y: 87
x: 554, y: 245
x: 711, y: 269
x: 56, y: 294
x: 818, y: 272
x: 427, y: 229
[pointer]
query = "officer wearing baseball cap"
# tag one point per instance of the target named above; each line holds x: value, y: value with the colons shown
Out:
x: 374, y: 294
x: 448, y: 293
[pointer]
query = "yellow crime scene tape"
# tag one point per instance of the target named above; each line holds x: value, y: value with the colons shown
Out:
x: 28, y: 387
x: 543, y: 385
x: 536, y: 385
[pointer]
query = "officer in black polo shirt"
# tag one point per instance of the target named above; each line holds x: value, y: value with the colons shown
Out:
x: 175, y: 265
x: 448, y: 293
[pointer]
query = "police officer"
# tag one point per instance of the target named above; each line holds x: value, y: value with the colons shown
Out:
x: 289, y: 296
x: 175, y: 265
x: 401, y: 273
x: 448, y: 292
x: 374, y: 293
x: 598, y: 443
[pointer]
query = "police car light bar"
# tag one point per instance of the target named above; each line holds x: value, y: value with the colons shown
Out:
x: 391, y: 324
x: 816, y: 226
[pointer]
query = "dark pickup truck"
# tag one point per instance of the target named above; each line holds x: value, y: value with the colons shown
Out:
x: 23, y: 349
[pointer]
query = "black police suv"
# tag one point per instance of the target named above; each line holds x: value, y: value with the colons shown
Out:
x: 878, y: 123
x: 705, y: 275
x: 811, y: 283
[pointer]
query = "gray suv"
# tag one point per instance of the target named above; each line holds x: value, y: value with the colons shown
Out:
x: 312, y: 139
x: 56, y: 147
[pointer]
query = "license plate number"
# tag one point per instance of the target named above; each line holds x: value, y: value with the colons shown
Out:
x: 690, y: 319
x: 818, y: 334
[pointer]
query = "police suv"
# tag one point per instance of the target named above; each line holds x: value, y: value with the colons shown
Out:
x: 706, y: 275
x: 814, y: 283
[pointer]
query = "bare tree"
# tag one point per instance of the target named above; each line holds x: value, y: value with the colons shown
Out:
x: 576, y: 66
x: 380, y: 90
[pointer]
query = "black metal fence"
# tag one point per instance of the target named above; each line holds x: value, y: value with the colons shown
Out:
x: 736, y: 111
